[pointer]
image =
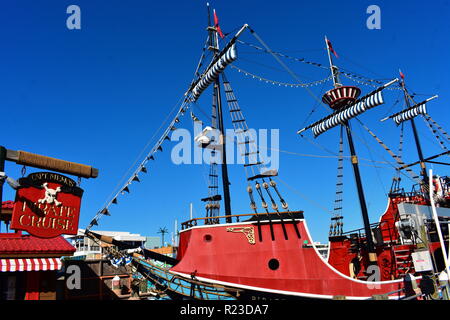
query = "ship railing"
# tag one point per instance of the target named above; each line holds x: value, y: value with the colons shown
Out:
x: 235, y: 217
x: 382, y: 225
x: 418, y: 295
x: 413, y: 193
x: 360, y: 231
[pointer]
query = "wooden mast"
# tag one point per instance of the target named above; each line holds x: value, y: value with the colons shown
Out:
x: 214, y: 37
x: 354, y: 160
x: 423, y: 169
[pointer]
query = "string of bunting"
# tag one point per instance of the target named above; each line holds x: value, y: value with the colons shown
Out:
x: 352, y: 76
x: 105, y: 211
x: 367, y: 82
x: 292, y: 85
x: 303, y: 60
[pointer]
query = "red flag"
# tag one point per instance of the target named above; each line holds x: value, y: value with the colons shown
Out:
x: 331, y: 48
x: 401, y: 74
x: 216, y: 24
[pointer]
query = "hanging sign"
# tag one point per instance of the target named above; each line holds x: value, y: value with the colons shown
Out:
x: 47, y: 205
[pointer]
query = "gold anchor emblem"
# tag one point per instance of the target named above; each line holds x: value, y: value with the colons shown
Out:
x: 248, y: 231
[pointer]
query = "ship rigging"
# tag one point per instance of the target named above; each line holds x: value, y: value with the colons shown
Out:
x: 215, y: 251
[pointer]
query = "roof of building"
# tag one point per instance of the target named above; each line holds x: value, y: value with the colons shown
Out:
x: 163, y: 250
x: 17, y: 243
x: 117, y: 235
x: 8, y: 204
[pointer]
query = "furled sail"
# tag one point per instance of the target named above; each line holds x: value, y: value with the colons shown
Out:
x: 214, y: 70
x: 340, y: 117
x: 411, y: 112
x: 371, y: 100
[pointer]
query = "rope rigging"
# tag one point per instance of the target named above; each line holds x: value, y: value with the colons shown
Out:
x: 395, y: 187
x: 413, y: 175
x: 435, y: 133
x: 337, y: 224
x: 350, y: 75
x: 213, y: 200
x: 157, y: 147
x: 246, y: 142
x: 285, y: 84
x: 261, y: 181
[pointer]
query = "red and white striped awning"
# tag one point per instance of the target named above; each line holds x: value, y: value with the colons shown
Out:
x: 39, y: 264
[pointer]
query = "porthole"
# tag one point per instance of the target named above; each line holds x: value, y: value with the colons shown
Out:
x: 207, y: 238
x: 274, y: 264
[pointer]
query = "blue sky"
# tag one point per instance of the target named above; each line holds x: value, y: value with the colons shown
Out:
x: 97, y: 95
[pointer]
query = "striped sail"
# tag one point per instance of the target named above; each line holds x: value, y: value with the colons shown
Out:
x: 213, y: 72
x: 410, y: 113
x: 340, y: 117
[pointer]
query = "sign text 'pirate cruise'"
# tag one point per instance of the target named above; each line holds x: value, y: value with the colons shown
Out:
x: 47, y: 205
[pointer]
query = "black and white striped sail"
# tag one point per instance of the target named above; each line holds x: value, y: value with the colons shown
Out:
x: 371, y: 100
x: 214, y: 71
x: 354, y: 110
x: 411, y: 112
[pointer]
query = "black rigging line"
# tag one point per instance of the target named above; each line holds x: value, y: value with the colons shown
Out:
x: 314, y: 108
x: 371, y: 158
x: 274, y: 68
x: 362, y: 67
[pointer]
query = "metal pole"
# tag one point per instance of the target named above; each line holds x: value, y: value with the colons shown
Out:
x: 436, y: 221
x: 2, y: 169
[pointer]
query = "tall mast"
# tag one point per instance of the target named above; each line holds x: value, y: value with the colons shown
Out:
x: 423, y: 171
x: 214, y: 45
x: 354, y: 160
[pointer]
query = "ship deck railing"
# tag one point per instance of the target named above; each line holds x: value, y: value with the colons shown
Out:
x: 406, y: 298
x: 383, y: 226
x: 237, y: 218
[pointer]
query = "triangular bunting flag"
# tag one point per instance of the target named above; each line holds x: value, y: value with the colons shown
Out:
x: 105, y: 211
x: 167, y: 138
x: 144, y: 169
x: 160, y: 149
x: 94, y: 222
x: 126, y: 189
x: 136, y: 178
x: 114, y: 201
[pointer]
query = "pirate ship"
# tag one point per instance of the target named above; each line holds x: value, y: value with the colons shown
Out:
x: 270, y: 252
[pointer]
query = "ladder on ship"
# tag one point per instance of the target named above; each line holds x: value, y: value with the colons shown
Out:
x: 403, y: 260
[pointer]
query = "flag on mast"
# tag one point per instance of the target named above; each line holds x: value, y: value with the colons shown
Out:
x: 331, y: 48
x: 216, y: 24
x: 401, y: 74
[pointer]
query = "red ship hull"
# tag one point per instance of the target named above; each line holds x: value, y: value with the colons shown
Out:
x: 255, y: 261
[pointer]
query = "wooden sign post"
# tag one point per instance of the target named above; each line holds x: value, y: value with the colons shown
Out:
x: 47, y: 204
